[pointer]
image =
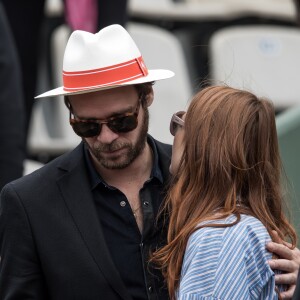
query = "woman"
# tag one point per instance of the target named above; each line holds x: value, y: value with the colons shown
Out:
x: 226, y: 199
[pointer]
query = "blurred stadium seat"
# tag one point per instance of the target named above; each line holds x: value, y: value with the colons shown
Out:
x: 30, y: 166
x: 161, y: 49
x: 261, y: 58
x: 50, y: 133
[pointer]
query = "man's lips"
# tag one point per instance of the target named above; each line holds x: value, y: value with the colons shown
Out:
x: 114, y: 152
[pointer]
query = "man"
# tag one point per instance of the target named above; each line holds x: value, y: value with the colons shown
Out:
x: 83, y: 226
x: 25, y: 19
x: 297, y: 291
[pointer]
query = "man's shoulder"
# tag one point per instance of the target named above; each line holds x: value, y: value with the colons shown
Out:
x: 42, y: 178
x: 164, y: 152
x: 163, y: 148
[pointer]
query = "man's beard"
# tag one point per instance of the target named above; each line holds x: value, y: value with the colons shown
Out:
x: 133, y: 150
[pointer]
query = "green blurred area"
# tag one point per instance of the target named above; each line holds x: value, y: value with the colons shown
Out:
x: 288, y: 129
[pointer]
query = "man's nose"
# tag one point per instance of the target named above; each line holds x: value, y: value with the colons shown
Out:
x: 106, y: 135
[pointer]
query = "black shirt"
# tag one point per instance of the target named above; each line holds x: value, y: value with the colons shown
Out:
x: 128, y: 247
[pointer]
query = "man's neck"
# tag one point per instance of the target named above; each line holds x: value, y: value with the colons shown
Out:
x: 130, y: 180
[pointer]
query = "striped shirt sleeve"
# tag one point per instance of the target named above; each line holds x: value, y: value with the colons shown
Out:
x: 228, y: 263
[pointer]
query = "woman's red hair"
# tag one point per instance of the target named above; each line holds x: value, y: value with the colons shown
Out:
x: 230, y: 165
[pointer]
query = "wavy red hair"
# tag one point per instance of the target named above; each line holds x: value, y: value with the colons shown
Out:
x: 230, y: 165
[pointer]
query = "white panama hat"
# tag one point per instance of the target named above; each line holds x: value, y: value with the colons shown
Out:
x: 107, y: 59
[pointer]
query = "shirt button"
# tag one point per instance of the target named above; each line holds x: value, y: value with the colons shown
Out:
x: 122, y: 203
x: 146, y: 203
x: 150, y: 289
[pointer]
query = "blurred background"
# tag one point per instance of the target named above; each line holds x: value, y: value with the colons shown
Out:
x: 249, y: 44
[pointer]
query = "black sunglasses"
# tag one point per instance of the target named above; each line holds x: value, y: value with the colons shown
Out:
x: 176, y: 122
x: 119, y: 124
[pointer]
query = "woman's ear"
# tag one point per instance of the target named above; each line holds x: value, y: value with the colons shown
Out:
x: 149, y: 97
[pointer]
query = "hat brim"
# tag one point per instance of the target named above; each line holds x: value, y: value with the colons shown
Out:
x: 153, y: 75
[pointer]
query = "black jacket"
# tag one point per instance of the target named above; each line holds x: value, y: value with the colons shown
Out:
x: 52, y: 245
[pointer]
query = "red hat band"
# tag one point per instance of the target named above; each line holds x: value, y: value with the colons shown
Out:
x: 111, y: 75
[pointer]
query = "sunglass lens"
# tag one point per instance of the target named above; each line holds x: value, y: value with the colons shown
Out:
x: 173, y: 128
x: 86, y: 129
x: 123, y: 124
x: 118, y: 125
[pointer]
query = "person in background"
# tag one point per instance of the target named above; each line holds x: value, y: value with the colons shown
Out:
x: 297, y: 291
x: 25, y: 20
x: 93, y: 15
x: 112, y: 12
x: 12, y: 114
x: 297, y: 5
x: 82, y: 226
x: 225, y: 202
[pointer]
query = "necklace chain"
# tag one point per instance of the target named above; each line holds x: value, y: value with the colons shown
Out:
x: 134, y: 211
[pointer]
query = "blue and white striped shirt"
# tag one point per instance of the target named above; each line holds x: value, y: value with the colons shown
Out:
x: 228, y: 263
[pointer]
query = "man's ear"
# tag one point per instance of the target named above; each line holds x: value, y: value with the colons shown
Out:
x: 150, y: 97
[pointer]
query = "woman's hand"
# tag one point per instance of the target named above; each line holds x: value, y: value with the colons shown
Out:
x: 288, y: 262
